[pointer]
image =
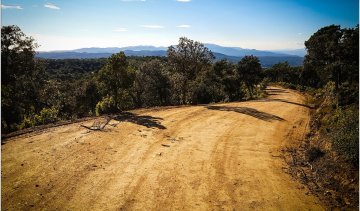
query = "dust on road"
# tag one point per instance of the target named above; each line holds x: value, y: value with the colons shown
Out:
x: 212, y: 157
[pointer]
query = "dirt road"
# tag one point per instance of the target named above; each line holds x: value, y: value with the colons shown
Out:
x: 212, y: 157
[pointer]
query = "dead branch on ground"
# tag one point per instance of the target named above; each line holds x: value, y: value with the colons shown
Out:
x: 97, y: 124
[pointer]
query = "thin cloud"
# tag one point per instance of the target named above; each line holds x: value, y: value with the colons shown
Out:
x: 183, y: 0
x: 51, y: 6
x: 11, y: 7
x: 299, y: 33
x: 152, y: 26
x: 121, y: 30
x: 183, y: 26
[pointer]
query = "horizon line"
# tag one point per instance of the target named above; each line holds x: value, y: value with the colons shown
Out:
x: 161, y: 46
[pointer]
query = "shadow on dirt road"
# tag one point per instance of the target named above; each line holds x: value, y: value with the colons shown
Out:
x: 248, y: 111
x: 147, y: 121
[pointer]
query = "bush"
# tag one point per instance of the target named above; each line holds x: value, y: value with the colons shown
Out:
x: 258, y: 93
x: 46, y: 116
x: 123, y: 101
x: 344, y: 133
x: 348, y: 94
x: 105, y: 106
x: 203, y: 93
x: 264, y: 83
x: 28, y: 121
x: 313, y: 154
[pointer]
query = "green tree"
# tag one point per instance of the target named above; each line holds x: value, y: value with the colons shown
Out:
x: 21, y: 77
x: 249, y: 70
x: 116, y: 79
x: 226, y: 75
x: 152, y: 84
x: 333, y: 55
x: 187, y: 60
x: 282, y: 72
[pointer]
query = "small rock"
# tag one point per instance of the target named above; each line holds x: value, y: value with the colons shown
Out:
x: 37, y: 186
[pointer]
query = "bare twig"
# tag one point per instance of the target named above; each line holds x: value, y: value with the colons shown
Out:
x: 97, y: 125
x: 108, y: 119
x: 90, y: 128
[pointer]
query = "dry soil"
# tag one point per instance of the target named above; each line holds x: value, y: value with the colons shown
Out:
x: 208, y: 157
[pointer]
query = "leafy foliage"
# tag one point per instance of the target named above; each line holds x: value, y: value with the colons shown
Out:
x: 152, y: 84
x: 47, y: 115
x: 249, y: 70
x: 345, y: 133
x: 187, y: 60
x: 116, y: 79
x: 333, y: 54
x: 22, y: 77
x: 105, y: 106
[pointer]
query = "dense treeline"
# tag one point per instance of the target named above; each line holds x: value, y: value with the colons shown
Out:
x: 65, y: 69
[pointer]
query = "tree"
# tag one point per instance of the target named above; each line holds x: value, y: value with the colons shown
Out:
x: 249, y: 70
x: 152, y: 84
x: 333, y: 55
x: 21, y: 77
x: 226, y: 75
x: 115, y: 81
x: 187, y: 60
x: 282, y: 72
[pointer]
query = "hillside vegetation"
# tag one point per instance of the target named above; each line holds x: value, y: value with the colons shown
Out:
x: 328, y: 159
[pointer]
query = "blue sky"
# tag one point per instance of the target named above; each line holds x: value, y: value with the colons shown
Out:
x: 258, y: 24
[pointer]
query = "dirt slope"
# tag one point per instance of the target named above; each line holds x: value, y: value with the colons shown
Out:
x: 220, y: 156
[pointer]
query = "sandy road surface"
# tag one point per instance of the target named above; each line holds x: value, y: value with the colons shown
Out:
x: 215, y: 157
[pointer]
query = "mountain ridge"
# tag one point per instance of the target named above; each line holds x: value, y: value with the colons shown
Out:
x: 230, y: 51
x: 233, y: 54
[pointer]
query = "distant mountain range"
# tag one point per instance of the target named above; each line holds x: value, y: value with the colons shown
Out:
x: 296, y: 52
x: 233, y: 54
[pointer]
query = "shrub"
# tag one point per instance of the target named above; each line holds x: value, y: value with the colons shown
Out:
x: 264, y: 83
x: 123, y: 101
x: 47, y: 115
x: 105, y: 106
x: 202, y: 93
x: 313, y: 154
x: 344, y: 133
x: 28, y: 121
